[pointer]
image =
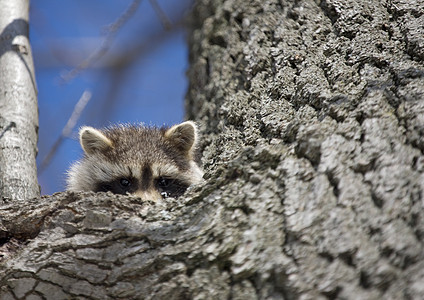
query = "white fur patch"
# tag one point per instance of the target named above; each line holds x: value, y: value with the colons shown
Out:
x: 85, y: 174
x: 92, y: 140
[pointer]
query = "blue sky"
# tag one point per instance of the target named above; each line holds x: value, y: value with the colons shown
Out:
x: 148, y: 88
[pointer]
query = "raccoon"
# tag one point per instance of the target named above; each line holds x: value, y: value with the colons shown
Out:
x: 149, y: 162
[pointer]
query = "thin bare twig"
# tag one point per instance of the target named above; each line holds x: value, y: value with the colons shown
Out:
x: 67, y: 130
x: 166, y: 22
x: 120, y: 66
x: 78, y: 109
x: 110, y: 32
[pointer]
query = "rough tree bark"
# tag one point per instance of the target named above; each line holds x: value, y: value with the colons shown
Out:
x: 312, y: 114
x: 18, y: 105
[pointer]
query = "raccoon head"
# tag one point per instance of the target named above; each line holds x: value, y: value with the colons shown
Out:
x: 149, y: 162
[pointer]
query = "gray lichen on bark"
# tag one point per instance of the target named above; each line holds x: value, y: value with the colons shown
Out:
x: 312, y: 120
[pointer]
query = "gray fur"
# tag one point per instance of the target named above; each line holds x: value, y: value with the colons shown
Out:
x: 125, y: 151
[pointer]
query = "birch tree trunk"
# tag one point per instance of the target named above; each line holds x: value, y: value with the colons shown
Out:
x: 18, y: 105
x: 312, y: 120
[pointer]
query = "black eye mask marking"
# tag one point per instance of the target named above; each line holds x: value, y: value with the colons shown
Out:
x: 169, y: 187
x: 118, y: 186
x: 166, y: 186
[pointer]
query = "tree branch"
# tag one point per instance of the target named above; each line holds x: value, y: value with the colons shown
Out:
x: 111, y: 32
x: 166, y: 22
x: 67, y: 130
x: 18, y: 105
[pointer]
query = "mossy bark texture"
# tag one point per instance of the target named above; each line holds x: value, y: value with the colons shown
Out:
x: 312, y: 122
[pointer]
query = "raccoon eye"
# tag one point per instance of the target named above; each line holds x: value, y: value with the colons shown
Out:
x: 125, y: 182
x: 164, y: 182
x: 122, y: 186
x: 170, y: 187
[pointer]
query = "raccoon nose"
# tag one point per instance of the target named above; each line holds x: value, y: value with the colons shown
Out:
x: 148, y: 195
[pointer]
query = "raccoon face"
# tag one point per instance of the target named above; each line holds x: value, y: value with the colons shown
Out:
x: 151, y: 163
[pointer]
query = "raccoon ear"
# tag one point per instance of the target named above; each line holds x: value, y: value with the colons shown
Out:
x: 183, y: 136
x: 93, y: 140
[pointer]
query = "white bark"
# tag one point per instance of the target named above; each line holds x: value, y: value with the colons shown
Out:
x: 18, y: 104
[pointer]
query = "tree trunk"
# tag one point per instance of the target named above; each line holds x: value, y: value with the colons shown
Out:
x: 312, y: 121
x: 18, y: 105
